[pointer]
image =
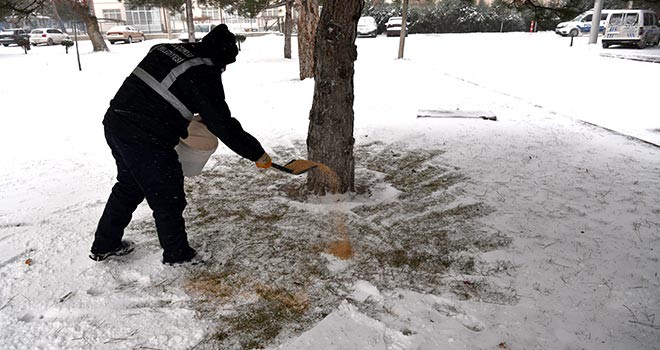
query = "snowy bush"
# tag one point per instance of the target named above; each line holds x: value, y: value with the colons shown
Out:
x: 451, y: 16
x: 67, y: 42
x: 240, y: 38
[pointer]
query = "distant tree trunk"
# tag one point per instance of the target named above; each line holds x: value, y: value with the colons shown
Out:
x: 57, y: 16
x: 168, y: 25
x: 189, y: 22
x: 404, y: 28
x: 91, y: 23
x: 288, y: 28
x: 308, y: 17
x: 330, y: 136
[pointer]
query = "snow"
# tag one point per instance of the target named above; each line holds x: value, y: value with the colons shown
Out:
x: 347, y: 328
x: 579, y: 203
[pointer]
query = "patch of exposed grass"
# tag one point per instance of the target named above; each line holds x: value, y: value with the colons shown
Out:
x: 461, y: 213
x: 255, y: 325
x: 293, y: 303
x: 488, y: 242
x: 494, y: 268
x: 406, y: 258
x: 484, y: 291
x: 267, y: 248
x: 214, y: 286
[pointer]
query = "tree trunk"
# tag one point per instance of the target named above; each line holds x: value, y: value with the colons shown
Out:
x: 189, y: 22
x: 94, y: 34
x: 330, y: 136
x: 404, y: 28
x: 57, y: 16
x: 308, y: 17
x: 288, y: 27
x: 168, y: 26
x: 92, y: 26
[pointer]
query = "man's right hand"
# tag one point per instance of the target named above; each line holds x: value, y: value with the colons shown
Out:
x: 264, y: 162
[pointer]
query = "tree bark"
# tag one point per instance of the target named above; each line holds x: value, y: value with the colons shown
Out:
x: 189, y: 22
x: 330, y: 136
x: 57, y: 16
x: 404, y: 28
x: 288, y: 28
x: 92, y: 25
x: 168, y: 26
x: 308, y: 17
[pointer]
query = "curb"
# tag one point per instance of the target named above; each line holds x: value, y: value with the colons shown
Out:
x: 630, y: 137
x: 641, y: 58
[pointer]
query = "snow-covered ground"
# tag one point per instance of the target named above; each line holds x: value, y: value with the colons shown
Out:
x: 577, y: 206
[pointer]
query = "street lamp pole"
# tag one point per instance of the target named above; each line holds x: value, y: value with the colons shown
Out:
x: 595, y: 22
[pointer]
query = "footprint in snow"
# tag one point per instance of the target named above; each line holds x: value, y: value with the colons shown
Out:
x: 454, y: 311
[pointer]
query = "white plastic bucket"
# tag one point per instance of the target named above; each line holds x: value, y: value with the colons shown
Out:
x: 195, y: 150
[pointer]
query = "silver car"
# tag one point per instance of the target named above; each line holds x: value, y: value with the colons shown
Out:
x: 393, y: 26
x: 127, y: 34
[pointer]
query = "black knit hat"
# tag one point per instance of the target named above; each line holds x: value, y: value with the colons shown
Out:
x: 222, y: 45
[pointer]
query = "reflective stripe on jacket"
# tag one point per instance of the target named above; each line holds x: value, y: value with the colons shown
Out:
x: 170, y: 85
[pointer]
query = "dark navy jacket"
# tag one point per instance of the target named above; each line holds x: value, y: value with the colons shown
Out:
x: 174, y: 81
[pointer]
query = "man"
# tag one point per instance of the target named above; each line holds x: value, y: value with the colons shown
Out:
x: 147, y: 117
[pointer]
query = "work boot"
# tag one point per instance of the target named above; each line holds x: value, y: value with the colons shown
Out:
x: 124, y: 248
x: 180, y: 256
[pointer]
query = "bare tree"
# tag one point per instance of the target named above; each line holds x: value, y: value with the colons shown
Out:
x: 330, y: 136
x: 250, y: 8
x: 19, y: 9
x: 189, y: 22
x: 26, y: 8
x: 83, y: 10
x: 308, y: 17
x: 288, y: 28
x: 56, y: 14
x: 404, y: 28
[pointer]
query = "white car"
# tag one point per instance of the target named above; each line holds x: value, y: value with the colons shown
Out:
x: 48, y: 36
x: 200, y: 31
x: 367, y: 27
x: 582, y: 24
x: 393, y: 26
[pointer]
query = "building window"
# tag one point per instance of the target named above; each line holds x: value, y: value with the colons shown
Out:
x: 112, y: 14
x: 271, y: 13
x: 144, y: 18
x: 211, y: 13
x: 236, y: 19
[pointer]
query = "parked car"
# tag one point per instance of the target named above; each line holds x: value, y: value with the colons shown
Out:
x: 393, y: 26
x: 48, y: 36
x: 582, y: 24
x: 13, y: 36
x: 631, y: 27
x: 200, y: 31
x: 367, y: 27
x: 126, y: 34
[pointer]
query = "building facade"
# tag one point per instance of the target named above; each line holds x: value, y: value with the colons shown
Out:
x: 152, y: 19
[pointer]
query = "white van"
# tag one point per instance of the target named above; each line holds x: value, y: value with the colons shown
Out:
x: 631, y: 27
x: 582, y: 24
x: 200, y: 31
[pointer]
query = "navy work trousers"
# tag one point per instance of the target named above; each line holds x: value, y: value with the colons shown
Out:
x: 145, y: 169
